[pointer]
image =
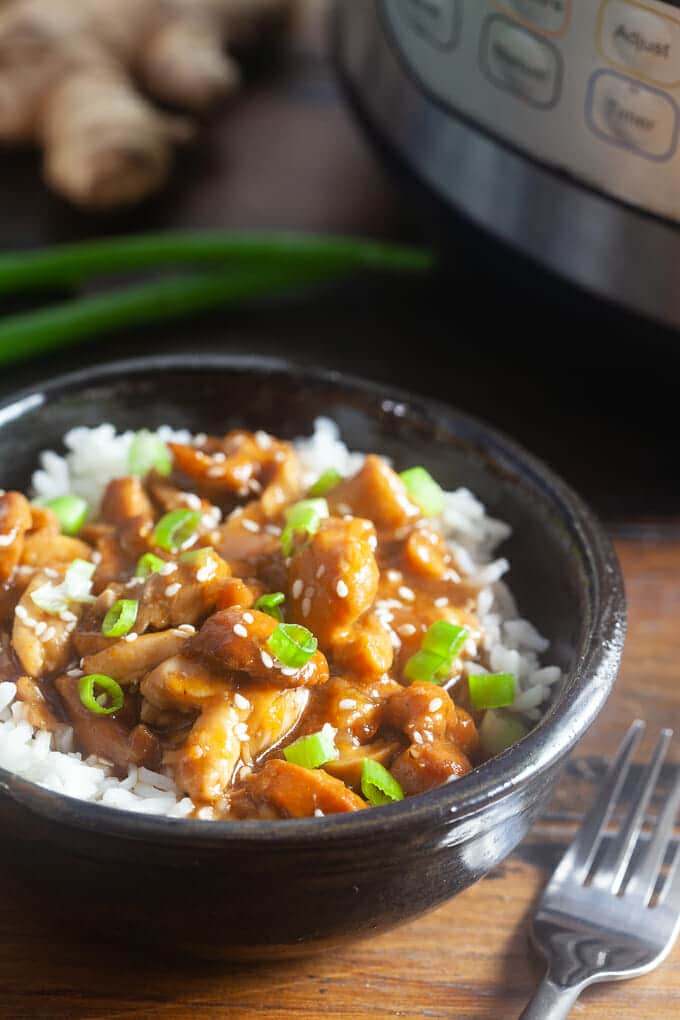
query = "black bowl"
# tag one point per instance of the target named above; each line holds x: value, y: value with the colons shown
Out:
x: 263, y: 888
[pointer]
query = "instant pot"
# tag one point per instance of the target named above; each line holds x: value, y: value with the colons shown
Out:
x: 551, y: 124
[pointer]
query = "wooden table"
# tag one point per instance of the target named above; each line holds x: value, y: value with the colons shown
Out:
x: 591, y: 425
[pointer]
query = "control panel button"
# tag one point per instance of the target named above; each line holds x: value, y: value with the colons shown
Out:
x: 435, y: 20
x: 546, y: 15
x: 633, y: 115
x: 515, y: 59
x: 640, y: 40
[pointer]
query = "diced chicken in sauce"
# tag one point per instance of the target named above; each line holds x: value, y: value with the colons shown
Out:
x: 234, y: 657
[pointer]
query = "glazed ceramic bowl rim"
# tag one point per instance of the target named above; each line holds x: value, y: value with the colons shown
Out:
x: 586, y: 688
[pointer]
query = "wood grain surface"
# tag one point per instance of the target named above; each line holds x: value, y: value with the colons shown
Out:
x: 469, y: 960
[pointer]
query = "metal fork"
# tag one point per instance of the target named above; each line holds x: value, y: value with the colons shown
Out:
x: 603, y: 916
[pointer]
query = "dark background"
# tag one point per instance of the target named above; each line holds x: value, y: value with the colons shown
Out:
x: 590, y: 389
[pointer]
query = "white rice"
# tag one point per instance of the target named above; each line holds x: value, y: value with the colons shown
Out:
x: 96, y: 455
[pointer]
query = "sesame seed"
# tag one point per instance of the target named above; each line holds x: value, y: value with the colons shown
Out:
x: 435, y: 704
x: 288, y: 671
x: 216, y: 471
x: 394, y: 575
x: 418, y: 738
x: 273, y: 529
x: 132, y: 636
x: 168, y: 568
x: 441, y: 602
x: 345, y: 509
x: 49, y: 634
x: 250, y: 525
x: 267, y: 660
x: 187, y: 628
x: 318, y: 813
x: 320, y: 571
x: 341, y: 589
x: 219, y: 457
x: 74, y: 672
x: 373, y: 542
x: 406, y: 629
x: 254, y: 485
x: 172, y: 589
x: 21, y: 612
x: 206, y: 572
x: 241, y: 731
x: 67, y: 616
x: 134, y: 582
x: 241, y: 702
x: 346, y: 704
x: 6, y: 540
x: 249, y: 618
x: 306, y: 606
x: 191, y: 500
x: 48, y: 572
x: 298, y: 586
x: 407, y: 594
x: 40, y: 628
x: 263, y: 440
x: 240, y: 630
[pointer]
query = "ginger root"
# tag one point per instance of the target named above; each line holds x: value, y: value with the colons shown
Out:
x: 72, y: 74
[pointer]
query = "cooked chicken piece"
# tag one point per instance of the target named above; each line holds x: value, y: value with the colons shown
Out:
x: 205, y: 763
x: 237, y: 592
x: 243, y: 540
x: 429, y: 711
x: 348, y: 766
x: 423, y: 708
x: 126, y: 661
x: 354, y: 708
x: 40, y: 714
x: 181, y: 684
x: 442, y: 736
x: 291, y: 791
x: 42, y: 640
x: 240, y: 466
x: 421, y: 767
x: 15, y: 521
x: 44, y: 548
x: 426, y: 553
x: 235, y: 641
x: 232, y: 725
x: 109, y: 736
x: 125, y: 498
x: 377, y: 493
x: 368, y: 650
x: 42, y: 518
x: 185, y: 596
x: 333, y: 580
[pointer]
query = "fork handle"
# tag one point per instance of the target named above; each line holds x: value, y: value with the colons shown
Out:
x: 551, y: 1001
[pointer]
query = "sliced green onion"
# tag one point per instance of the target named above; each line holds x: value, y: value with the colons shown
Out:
x: 328, y: 480
x: 148, y: 564
x: 50, y: 598
x: 314, y: 750
x: 78, y: 581
x: 433, y: 661
x: 120, y: 618
x: 146, y: 452
x: 425, y: 667
x: 110, y: 692
x: 423, y: 490
x: 76, y: 587
x: 378, y: 785
x: 198, y: 557
x: 444, y: 639
x: 292, y: 645
x: 303, y: 517
x: 491, y: 690
x: 71, y: 512
x: 269, y: 604
x: 500, y: 730
x: 176, y: 529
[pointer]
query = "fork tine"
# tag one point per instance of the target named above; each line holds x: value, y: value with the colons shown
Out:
x: 643, y: 880
x: 612, y: 869
x: 580, y: 855
x: 671, y: 888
